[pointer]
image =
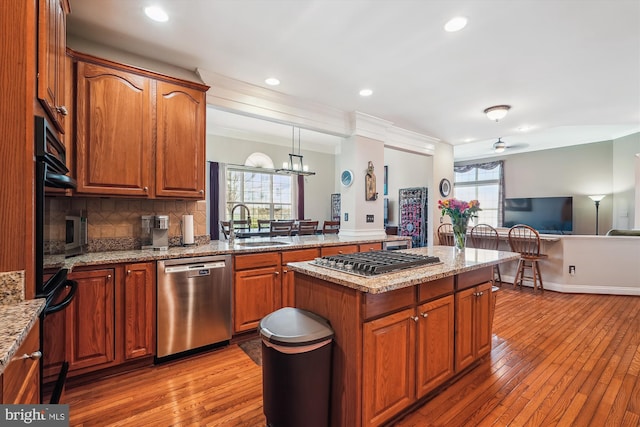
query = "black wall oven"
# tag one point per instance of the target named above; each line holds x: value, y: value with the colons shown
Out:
x: 50, y: 222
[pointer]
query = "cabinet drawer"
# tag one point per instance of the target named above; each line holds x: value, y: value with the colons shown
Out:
x: 337, y: 250
x: 301, y: 255
x: 266, y: 259
x: 473, y: 278
x: 369, y: 247
x: 21, y: 380
x: 374, y: 305
x: 435, y: 288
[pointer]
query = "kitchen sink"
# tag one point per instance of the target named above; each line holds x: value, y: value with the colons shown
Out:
x: 263, y: 243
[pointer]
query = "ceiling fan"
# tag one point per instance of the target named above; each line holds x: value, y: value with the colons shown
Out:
x: 499, y: 146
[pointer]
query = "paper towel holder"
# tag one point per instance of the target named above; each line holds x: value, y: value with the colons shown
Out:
x: 186, y: 226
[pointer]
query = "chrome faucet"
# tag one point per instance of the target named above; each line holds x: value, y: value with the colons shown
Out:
x: 232, y: 234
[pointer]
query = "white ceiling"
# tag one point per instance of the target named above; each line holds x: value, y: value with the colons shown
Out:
x: 570, y: 69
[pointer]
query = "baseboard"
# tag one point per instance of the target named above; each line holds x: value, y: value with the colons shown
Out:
x: 580, y: 289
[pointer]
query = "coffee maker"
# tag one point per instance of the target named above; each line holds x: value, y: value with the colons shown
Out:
x: 155, y: 232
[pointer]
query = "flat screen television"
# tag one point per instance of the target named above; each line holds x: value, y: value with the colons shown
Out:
x: 548, y: 215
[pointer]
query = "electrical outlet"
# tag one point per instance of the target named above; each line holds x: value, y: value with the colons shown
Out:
x: 369, y: 218
x: 346, y: 216
x: 572, y: 270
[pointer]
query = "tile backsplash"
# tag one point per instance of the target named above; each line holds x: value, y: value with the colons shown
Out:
x: 115, y: 224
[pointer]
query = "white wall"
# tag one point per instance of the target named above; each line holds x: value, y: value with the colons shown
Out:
x: 318, y: 187
x: 625, y: 181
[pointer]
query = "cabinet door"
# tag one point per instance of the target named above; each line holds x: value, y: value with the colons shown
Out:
x: 388, y: 380
x: 180, y: 143
x: 52, y: 44
x: 482, y: 317
x: 90, y: 320
x: 255, y: 296
x: 465, y: 340
x: 288, y: 282
x: 20, y: 382
x: 138, y: 304
x: 113, y: 132
x: 435, y: 338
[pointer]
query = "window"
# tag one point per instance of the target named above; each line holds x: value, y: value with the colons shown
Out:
x: 483, y: 182
x: 266, y: 194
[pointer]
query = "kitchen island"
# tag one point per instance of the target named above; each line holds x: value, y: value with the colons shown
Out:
x: 402, y: 335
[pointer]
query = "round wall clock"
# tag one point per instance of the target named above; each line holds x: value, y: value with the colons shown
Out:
x: 346, y: 178
x: 445, y: 187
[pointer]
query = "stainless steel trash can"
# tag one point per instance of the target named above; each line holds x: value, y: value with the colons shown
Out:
x: 296, y: 368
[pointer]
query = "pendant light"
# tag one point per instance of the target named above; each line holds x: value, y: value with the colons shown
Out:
x: 295, y: 165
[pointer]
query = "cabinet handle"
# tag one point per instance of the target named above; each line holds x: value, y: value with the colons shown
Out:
x: 62, y: 110
x: 340, y: 252
x: 33, y: 356
x: 285, y: 271
x: 109, y: 276
x: 277, y: 273
x: 415, y: 318
x: 145, y: 189
x: 128, y: 271
x: 424, y: 314
x: 201, y: 191
x: 480, y: 293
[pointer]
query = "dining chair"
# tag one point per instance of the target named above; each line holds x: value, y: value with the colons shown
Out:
x: 445, y: 234
x: 238, y: 225
x: 526, y: 241
x: 280, y: 228
x: 484, y: 236
x: 331, y: 227
x: 264, y: 224
x: 307, y: 227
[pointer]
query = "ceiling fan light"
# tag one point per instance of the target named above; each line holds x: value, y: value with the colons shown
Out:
x: 497, y: 112
x: 499, y: 146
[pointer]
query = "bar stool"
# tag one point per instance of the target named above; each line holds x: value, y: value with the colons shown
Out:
x: 484, y: 236
x: 280, y: 228
x: 526, y: 241
x: 307, y: 227
x: 331, y: 227
x: 264, y: 224
x: 445, y: 234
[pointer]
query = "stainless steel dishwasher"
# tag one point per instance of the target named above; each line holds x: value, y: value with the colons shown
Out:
x: 194, y: 303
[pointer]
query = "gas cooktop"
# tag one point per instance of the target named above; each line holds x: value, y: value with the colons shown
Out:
x: 375, y: 263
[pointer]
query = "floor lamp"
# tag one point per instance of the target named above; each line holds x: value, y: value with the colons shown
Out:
x: 597, y: 200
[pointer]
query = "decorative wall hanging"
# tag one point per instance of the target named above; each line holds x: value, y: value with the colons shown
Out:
x: 370, y: 184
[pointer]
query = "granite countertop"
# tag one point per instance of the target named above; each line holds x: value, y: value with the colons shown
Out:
x: 16, y: 320
x: 218, y: 247
x: 453, y: 262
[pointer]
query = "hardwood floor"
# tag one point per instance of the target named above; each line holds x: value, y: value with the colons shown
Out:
x: 557, y: 359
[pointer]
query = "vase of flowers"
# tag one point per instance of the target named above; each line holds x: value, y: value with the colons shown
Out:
x: 460, y: 212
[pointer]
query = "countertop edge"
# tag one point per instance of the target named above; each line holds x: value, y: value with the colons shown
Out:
x: 16, y: 321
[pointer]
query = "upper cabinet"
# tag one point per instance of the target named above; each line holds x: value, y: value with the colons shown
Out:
x: 138, y: 135
x: 52, y: 22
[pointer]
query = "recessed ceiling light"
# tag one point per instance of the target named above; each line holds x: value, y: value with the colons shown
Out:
x: 524, y: 128
x: 468, y: 140
x: 366, y: 92
x: 455, y: 24
x: 272, y: 81
x: 156, y: 13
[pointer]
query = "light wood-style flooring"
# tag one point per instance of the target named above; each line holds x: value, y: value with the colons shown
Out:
x: 557, y: 360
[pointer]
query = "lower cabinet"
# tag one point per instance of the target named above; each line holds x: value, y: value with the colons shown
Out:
x: 406, y: 355
x: 91, y: 320
x: 257, y: 289
x: 473, y: 324
x: 20, y: 381
x: 288, y: 289
x: 109, y: 321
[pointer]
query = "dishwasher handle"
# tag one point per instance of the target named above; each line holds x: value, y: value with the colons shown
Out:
x: 193, y: 267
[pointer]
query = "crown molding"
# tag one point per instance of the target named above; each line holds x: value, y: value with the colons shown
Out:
x: 406, y: 140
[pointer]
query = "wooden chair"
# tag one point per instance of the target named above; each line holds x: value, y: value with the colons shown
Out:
x: 238, y: 225
x: 331, y: 227
x: 307, y: 227
x: 526, y: 241
x: 280, y: 228
x: 445, y: 234
x: 484, y: 236
x: 264, y: 224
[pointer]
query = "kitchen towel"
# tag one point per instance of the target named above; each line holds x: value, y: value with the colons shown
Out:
x: 187, y: 229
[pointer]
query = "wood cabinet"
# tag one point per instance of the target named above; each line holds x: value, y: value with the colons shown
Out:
x: 473, y: 324
x: 257, y: 289
x: 52, y: 26
x: 114, y: 132
x: 288, y: 281
x: 91, y: 320
x: 435, y: 344
x: 180, y: 148
x: 138, y: 309
x: 388, y: 383
x: 20, y: 381
x: 370, y: 247
x: 138, y: 135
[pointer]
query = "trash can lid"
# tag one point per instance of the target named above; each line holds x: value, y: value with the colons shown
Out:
x: 294, y: 327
